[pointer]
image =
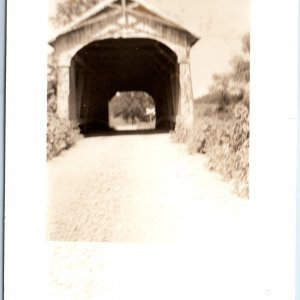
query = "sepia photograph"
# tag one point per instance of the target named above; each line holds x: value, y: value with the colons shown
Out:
x: 148, y: 123
x: 147, y: 180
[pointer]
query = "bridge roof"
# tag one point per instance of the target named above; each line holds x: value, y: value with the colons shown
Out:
x: 137, y: 6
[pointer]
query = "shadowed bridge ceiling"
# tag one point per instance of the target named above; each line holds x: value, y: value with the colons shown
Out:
x: 130, y: 64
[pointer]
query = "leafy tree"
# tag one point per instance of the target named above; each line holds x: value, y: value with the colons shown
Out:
x: 131, y: 105
x: 233, y: 86
x: 246, y: 43
x: 68, y: 10
x: 224, y: 137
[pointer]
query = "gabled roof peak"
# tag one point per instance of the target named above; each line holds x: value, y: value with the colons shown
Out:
x: 118, y: 4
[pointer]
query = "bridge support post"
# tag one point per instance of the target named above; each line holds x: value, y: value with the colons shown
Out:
x: 186, y: 94
x: 62, y: 95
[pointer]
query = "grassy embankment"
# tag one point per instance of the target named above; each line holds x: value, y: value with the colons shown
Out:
x: 221, y: 123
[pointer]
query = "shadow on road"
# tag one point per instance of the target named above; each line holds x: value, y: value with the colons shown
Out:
x: 112, y: 132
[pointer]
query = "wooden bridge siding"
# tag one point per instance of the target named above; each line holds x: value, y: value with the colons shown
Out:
x: 186, y: 94
x: 84, y: 95
x: 67, y: 46
x: 168, y: 109
x: 63, y: 78
x: 73, y: 93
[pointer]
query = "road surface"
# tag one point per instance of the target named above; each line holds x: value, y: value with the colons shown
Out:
x: 133, y: 216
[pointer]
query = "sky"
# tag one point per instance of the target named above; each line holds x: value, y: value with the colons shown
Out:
x: 220, y: 24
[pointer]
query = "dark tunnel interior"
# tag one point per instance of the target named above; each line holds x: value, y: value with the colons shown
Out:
x: 101, y: 69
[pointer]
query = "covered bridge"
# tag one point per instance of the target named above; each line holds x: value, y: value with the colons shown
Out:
x: 123, y: 45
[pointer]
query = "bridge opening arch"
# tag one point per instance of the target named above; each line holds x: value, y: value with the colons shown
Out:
x: 102, y: 68
x: 133, y: 110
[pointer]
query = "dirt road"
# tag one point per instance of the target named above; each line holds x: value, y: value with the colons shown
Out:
x: 133, y: 204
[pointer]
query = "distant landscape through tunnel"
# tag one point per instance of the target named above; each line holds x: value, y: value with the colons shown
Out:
x: 134, y: 110
x: 106, y: 67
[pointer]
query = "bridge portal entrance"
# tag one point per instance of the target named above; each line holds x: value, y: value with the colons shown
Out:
x: 124, y: 46
x: 102, y: 68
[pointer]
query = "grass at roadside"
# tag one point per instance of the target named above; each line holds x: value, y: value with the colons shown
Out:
x: 224, y: 138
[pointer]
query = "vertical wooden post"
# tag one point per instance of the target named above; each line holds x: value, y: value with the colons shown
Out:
x: 79, y: 91
x: 83, y: 100
x: 72, y: 97
x: 63, y: 90
x: 172, y: 94
x: 87, y: 92
x: 124, y: 12
x: 176, y: 87
x: 186, y: 94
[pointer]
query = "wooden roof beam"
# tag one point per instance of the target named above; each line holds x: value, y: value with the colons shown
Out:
x: 124, y: 12
x: 164, y: 54
x: 116, y: 6
x: 131, y: 6
x: 82, y: 63
x: 136, y: 69
x: 129, y: 58
x: 153, y: 18
x: 100, y: 18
